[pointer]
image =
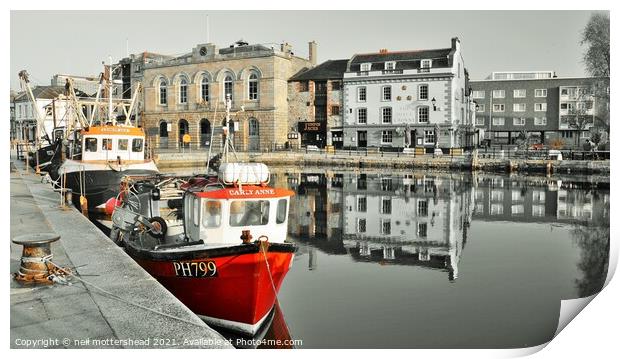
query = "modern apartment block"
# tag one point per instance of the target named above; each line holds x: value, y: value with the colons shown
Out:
x: 407, y: 99
x: 540, y: 104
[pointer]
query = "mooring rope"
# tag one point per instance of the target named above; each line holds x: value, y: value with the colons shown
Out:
x: 126, y: 301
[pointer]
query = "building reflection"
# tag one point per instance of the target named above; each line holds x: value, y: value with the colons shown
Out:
x: 407, y: 219
x: 421, y: 219
x: 538, y: 199
x: 410, y: 219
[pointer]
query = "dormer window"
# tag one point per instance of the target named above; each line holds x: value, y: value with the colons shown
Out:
x: 426, y: 64
x: 365, y: 66
x: 390, y: 65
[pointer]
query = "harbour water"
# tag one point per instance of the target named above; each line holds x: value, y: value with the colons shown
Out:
x: 437, y: 260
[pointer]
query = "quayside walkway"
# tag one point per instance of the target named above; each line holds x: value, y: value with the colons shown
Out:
x: 121, y: 307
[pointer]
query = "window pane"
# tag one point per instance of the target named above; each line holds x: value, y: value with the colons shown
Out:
x: 91, y: 144
x: 249, y: 213
x: 204, y: 93
x: 423, y: 92
x: 212, y: 215
x: 228, y: 87
x: 196, y: 207
x: 423, y: 114
x: 106, y: 144
x: 136, y: 145
x: 281, y: 212
x: 122, y: 144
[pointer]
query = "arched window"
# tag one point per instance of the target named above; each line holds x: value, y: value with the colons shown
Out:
x: 253, y: 129
x: 183, y: 129
x: 205, y: 132
x: 163, y: 94
x: 204, y: 88
x: 183, y: 91
x: 253, y: 87
x: 163, y: 129
x: 228, y: 87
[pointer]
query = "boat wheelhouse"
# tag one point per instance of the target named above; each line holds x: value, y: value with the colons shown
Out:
x: 100, y: 157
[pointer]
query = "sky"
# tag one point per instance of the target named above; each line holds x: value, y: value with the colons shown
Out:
x: 76, y: 42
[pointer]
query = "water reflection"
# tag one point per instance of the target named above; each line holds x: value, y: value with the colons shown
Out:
x: 422, y: 219
x: 439, y: 260
x: 274, y: 334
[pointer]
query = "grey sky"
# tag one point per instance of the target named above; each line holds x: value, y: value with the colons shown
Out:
x: 75, y: 42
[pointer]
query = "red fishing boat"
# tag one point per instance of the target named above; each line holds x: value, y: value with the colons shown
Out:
x: 229, y: 263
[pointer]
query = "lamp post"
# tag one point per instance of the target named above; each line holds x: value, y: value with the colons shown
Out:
x: 433, y: 101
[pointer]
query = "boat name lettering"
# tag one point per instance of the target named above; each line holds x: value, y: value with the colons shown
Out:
x: 251, y: 192
x: 114, y: 129
x: 199, y: 269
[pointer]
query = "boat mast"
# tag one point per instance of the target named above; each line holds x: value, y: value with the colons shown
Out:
x: 225, y: 127
x: 109, y: 79
x: 25, y: 84
x: 97, y: 98
x: 133, y: 103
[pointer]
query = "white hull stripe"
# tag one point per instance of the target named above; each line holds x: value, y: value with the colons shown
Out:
x: 70, y: 166
x: 245, y: 328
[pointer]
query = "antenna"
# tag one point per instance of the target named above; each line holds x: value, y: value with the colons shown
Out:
x: 207, y: 28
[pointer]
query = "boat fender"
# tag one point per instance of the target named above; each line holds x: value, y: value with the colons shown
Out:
x: 84, y: 205
x: 111, y: 204
x: 160, y: 226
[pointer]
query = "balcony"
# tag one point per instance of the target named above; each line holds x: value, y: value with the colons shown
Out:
x: 362, y: 73
x: 424, y: 69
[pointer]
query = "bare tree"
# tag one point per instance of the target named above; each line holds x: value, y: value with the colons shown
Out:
x: 595, y: 36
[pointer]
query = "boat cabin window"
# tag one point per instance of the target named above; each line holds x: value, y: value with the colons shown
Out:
x: 281, y: 212
x: 196, y: 208
x: 91, y: 144
x: 106, y: 144
x: 212, y: 214
x: 136, y: 145
x: 249, y: 213
x: 122, y: 144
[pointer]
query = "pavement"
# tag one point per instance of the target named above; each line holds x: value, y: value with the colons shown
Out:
x: 80, y: 315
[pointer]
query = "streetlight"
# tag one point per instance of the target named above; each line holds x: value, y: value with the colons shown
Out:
x: 433, y: 101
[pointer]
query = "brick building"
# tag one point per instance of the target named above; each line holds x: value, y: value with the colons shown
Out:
x: 538, y: 103
x: 395, y: 100
x: 315, y: 105
x: 185, y: 95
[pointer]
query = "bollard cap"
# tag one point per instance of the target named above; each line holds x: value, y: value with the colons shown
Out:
x: 36, y: 238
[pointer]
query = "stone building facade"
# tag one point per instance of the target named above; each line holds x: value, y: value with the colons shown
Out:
x: 537, y: 103
x: 407, y: 99
x: 315, y: 105
x: 186, y: 95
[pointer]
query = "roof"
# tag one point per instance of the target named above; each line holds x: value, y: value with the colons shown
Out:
x: 242, y: 49
x: 47, y: 92
x: 404, y: 59
x: 330, y: 69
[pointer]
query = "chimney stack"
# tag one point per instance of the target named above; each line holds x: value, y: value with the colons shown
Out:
x: 312, y: 52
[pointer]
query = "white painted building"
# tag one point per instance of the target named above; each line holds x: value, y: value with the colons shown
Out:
x: 51, y: 105
x: 403, y: 99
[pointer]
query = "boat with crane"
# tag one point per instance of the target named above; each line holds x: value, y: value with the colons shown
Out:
x: 104, y: 147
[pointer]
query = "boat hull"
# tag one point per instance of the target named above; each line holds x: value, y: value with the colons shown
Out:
x: 242, y: 293
x: 100, y: 181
